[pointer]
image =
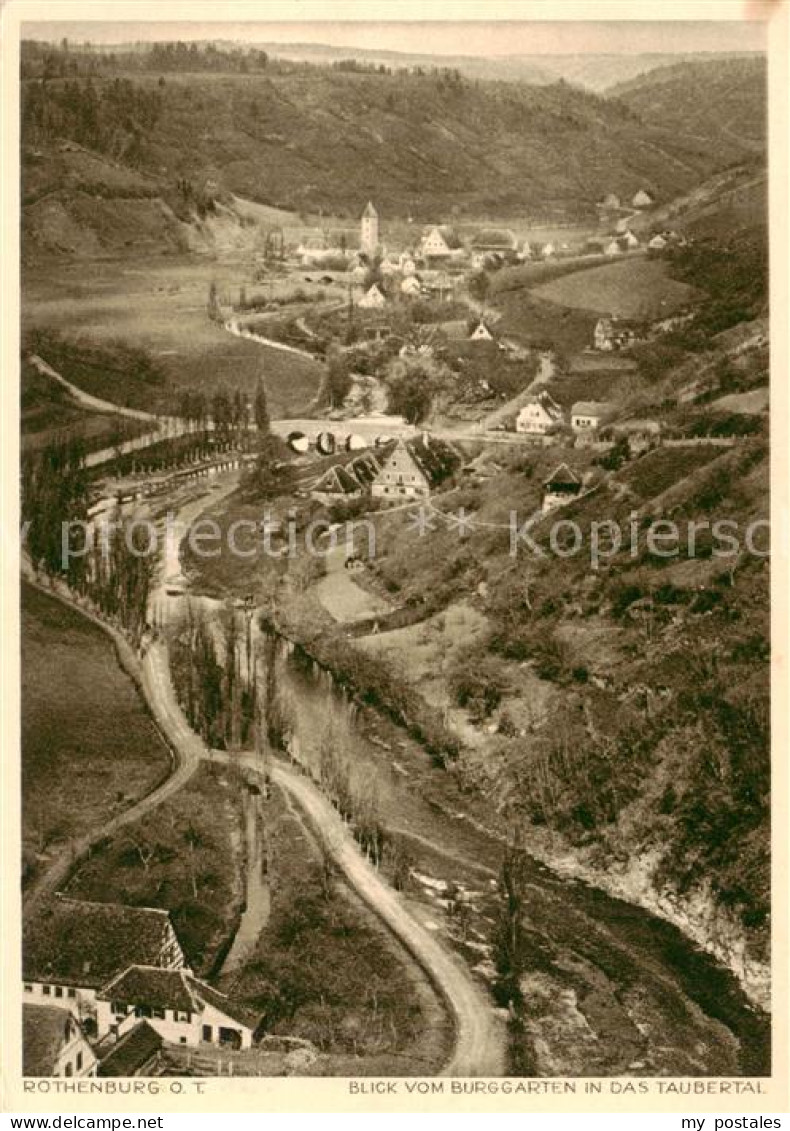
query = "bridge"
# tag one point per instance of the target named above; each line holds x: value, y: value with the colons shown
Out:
x: 330, y: 436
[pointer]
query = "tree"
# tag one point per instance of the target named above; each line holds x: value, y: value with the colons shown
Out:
x: 213, y: 307
x: 415, y: 382
x: 509, y: 941
x: 338, y: 378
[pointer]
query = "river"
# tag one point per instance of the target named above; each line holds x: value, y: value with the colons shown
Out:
x: 610, y: 988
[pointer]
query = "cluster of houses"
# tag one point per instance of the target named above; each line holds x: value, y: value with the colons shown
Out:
x: 541, y: 416
x: 440, y: 250
x: 107, y: 986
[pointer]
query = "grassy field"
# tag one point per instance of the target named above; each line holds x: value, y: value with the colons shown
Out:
x: 160, y: 307
x: 48, y: 413
x: 185, y: 856
x: 88, y: 747
x: 631, y: 288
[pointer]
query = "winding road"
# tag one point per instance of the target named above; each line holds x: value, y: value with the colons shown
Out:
x: 479, y: 1047
x: 480, y: 1033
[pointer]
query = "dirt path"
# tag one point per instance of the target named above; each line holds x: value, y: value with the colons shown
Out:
x: 480, y: 1036
x: 257, y: 894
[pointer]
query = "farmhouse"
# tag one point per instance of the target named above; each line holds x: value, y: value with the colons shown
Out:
x: 642, y: 199
x: 373, y: 299
x: 538, y: 414
x: 72, y: 947
x: 613, y: 248
x: 611, y: 200
x: 587, y: 416
x: 562, y: 486
x: 178, y: 1006
x: 630, y: 240
x: 413, y: 469
x: 613, y: 334
x: 53, y: 1043
x: 657, y: 243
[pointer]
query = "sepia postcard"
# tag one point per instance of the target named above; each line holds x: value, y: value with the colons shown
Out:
x: 394, y: 446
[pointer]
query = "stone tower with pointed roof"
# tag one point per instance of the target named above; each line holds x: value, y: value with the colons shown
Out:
x: 369, y: 233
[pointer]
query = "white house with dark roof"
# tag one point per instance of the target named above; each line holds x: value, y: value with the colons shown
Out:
x: 642, y: 199
x: 413, y: 469
x: 72, y: 947
x: 177, y: 1005
x: 373, y: 298
x: 538, y: 414
x: 54, y: 1043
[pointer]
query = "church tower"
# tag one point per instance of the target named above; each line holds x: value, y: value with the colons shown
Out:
x: 369, y: 234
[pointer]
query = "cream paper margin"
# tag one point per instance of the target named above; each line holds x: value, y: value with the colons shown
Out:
x: 319, y: 1094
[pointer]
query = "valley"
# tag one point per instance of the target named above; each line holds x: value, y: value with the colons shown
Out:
x: 421, y: 786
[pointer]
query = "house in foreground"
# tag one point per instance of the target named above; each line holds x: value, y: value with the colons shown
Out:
x: 54, y: 1043
x: 177, y: 1005
x: 561, y: 487
x: 413, y: 469
x: 538, y: 414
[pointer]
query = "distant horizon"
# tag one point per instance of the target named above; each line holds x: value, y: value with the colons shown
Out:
x: 469, y: 39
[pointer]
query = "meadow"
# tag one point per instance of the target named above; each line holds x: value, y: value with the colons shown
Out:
x: 88, y: 745
x: 631, y: 288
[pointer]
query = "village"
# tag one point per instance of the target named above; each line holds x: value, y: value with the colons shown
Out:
x: 337, y: 757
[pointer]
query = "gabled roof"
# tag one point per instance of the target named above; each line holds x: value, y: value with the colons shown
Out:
x: 45, y: 1030
x: 173, y: 989
x: 132, y: 1052
x: 590, y: 408
x: 562, y: 476
x: 81, y: 943
x: 435, y: 459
